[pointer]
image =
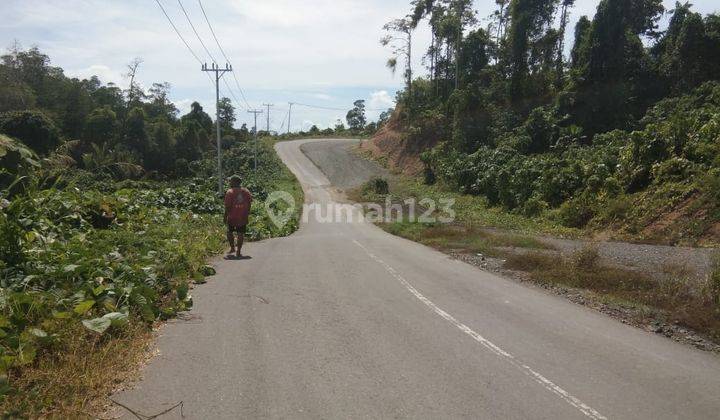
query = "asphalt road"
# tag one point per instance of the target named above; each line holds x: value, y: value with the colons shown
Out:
x: 342, y: 320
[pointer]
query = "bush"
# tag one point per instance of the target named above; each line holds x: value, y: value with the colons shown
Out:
x: 714, y: 285
x: 575, y: 213
x: 534, y: 207
x: 612, y: 186
x: 586, y: 259
x: 15, y: 160
x: 33, y: 128
x: 376, y: 185
x: 616, y: 209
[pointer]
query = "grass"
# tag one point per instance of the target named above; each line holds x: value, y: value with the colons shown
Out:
x: 683, y: 300
x: 71, y: 381
x: 462, y: 237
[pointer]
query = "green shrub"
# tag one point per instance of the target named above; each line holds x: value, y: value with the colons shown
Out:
x: 616, y: 208
x: 576, y: 213
x: 33, y: 128
x: 534, y: 207
x: 377, y: 185
x: 612, y: 186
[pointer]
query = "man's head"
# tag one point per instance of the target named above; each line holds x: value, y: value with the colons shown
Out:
x: 235, y: 181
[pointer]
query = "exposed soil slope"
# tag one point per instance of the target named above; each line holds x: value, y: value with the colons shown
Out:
x: 401, y: 152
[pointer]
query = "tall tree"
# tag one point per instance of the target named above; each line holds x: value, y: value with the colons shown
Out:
x: 134, y: 92
x: 399, y: 39
x: 136, y: 135
x: 227, y: 115
x: 101, y: 126
x: 528, y: 21
x: 201, y: 117
x: 160, y: 106
x: 356, y: 117
x: 560, y: 61
x: 615, y: 68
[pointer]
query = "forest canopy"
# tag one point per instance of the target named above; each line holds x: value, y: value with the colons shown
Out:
x: 533, y: 124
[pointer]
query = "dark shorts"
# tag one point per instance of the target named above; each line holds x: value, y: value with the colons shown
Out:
x: 239, y: 229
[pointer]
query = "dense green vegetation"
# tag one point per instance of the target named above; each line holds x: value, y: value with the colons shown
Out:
x: 109, y: 211
x: 617, y: 134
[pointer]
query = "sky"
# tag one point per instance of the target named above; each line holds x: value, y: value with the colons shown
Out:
x: 324, y: 53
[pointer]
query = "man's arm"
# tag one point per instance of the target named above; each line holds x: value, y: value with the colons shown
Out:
x: 227, y: 209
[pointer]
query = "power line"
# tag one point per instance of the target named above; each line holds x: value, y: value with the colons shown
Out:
x: 196, y: 32
x: 180, y: 36
x: 335, y: 109
x: 284, y: 120
x: 212, y: 31
x: 178, y: 32
x: 237, y: 102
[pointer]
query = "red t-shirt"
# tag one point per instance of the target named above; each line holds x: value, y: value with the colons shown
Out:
x: 237, y: 206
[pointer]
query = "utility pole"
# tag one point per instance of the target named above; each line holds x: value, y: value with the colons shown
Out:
x: 255, y: 112
x: 268, y: 116
x: 290, y: 115
x: 219, y: 72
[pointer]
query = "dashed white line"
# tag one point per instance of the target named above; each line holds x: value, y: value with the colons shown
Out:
x: 527, y: 370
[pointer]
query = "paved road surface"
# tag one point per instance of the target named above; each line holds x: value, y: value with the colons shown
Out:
x: 342, y: 320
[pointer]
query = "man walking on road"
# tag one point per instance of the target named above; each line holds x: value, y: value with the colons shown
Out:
x: 237, y: 210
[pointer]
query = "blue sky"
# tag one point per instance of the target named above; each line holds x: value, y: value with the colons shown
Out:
x: 318, y: 52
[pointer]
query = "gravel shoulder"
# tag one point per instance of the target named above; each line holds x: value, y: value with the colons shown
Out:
x: 346, y: 169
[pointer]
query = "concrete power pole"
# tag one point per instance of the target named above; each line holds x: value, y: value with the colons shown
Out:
x: 268, y: 116
x: 255, y: 112
x: 219, y: 72
x: 290, y: 115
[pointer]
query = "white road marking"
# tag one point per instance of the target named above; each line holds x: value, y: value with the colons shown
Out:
x: 527, y: 370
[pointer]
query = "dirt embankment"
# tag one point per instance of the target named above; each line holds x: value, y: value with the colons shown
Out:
x: 401, y: 152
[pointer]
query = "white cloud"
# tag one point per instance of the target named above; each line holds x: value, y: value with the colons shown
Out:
x: 105, y: 73
x: 322, y: 96
x: 381, y: 99
x: 307, y: 124
x: 183, y: 105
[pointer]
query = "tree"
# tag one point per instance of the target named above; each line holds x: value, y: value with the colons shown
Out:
x: 189, y: 142
x: 76, y: 109
x: 582, y: 32
x: 111, y: 96
x: 399, y: 39
x: 101, y: 126
x: 135, y: 94
x: 687, y: 54
x: 476, y: 48
x: 356, y: 117
x: 614, y: 81
x: 160, y: 106
x: 136, y: 133
x: 227, y: 115
x: 528, y: 19
x: 161, y: 153
x: 560, y: 61
x: 35, y: 129
x: 339, y: 127
x: 385, y: 117
x: 199, y: 116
